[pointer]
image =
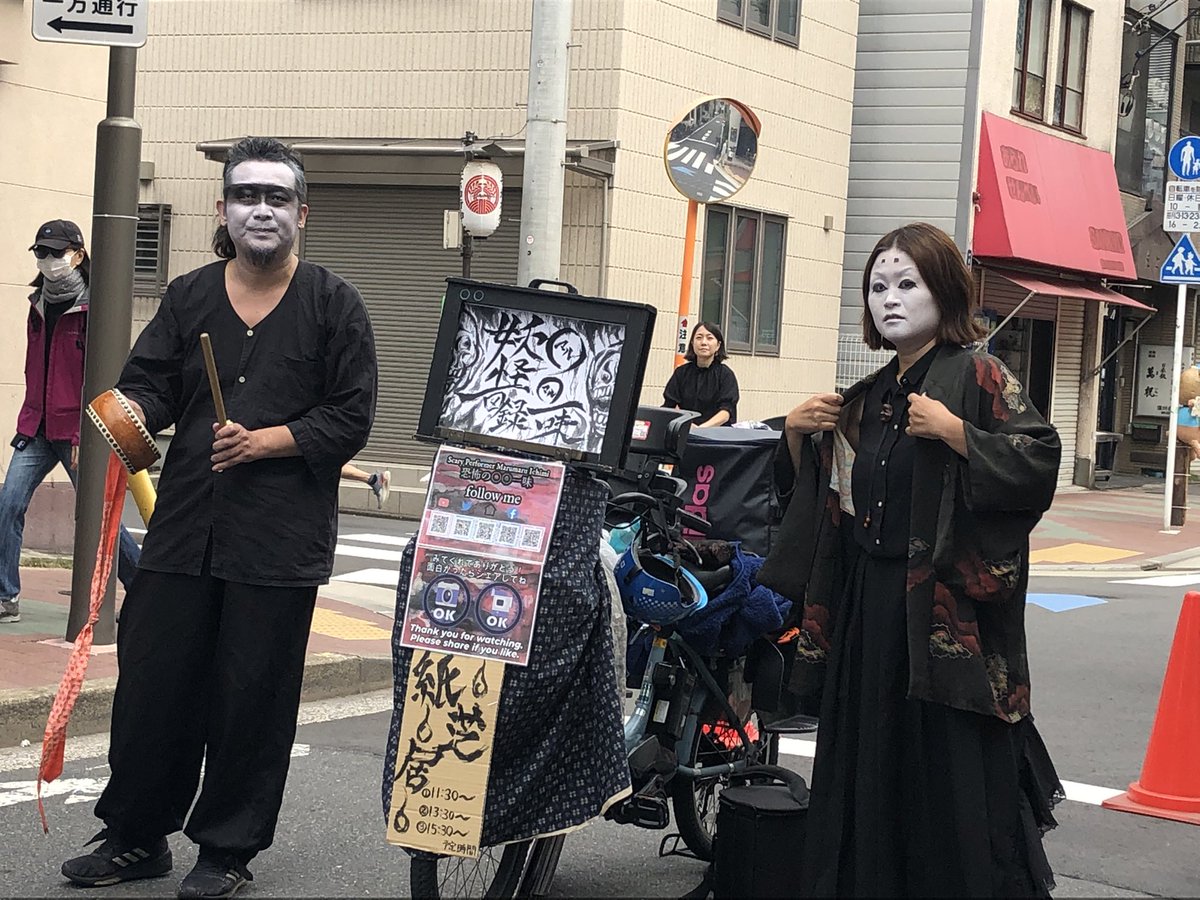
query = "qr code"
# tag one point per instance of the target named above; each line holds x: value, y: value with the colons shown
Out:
x: 462, y: 527
x: 531, y: 538
x: 508, y: 535
x: 485, y: 532
x: 439, y: 523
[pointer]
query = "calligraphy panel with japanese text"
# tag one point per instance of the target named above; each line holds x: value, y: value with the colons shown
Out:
x: 532, y: 377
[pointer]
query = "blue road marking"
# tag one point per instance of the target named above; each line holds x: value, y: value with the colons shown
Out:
x: 1063, y: 602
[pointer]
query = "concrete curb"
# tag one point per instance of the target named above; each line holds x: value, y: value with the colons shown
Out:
x: 23, y: 713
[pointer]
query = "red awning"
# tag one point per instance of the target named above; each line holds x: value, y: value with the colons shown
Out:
x: 1046, y: 200
x: 1058, y: 287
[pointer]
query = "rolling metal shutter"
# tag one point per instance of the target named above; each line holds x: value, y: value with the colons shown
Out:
x: 387, y: 241
x: 1064, y: 403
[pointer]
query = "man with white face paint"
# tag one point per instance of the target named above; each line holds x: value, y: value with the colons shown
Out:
x: 212, y: 637
x: 906, y: 536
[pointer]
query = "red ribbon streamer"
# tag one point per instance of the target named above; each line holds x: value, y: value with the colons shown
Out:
x: 54, y: 742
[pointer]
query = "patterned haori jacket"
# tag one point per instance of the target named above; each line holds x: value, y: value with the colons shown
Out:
x: 968, y: 557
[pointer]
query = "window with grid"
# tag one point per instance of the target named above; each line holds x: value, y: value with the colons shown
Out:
x: 153, y: 246
x: 1029, y: 64
x: 1072, y: 73
x: 742, y: 288
x: 776, y: 19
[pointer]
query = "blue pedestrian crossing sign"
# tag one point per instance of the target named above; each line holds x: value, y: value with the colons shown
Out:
x: 1184, y: 158
x: 1182, y: 265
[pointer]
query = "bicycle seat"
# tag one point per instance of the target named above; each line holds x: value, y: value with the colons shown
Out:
x: 714, y: 580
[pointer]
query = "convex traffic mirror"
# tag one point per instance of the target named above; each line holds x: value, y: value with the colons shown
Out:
x: 710, y: 152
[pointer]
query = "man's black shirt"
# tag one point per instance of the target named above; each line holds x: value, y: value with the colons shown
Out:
x: 310, y: 365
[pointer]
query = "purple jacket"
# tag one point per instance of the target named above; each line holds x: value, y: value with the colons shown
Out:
x: 60, y: 389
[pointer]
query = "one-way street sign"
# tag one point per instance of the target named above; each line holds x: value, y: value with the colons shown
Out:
x: 112, y: 23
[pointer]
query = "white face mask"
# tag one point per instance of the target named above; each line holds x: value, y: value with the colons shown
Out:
x: 55, y: 268
x: 902, y: 306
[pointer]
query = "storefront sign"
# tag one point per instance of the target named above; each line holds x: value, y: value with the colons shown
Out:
x: 477, y: 566
x: 446, y: 738
x: 1181, y: 209
x: 1156, y: 366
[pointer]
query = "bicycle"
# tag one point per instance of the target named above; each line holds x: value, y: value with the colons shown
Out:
x: 684, y: 738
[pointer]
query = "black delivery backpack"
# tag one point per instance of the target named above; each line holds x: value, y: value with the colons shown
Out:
x: 760, y: 835
x: 731, y: 482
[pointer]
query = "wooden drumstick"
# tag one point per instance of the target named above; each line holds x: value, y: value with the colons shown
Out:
x: 213, y: 382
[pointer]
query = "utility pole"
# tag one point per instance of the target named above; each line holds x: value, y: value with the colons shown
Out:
x: 545, y: 142
x: 114, y: 234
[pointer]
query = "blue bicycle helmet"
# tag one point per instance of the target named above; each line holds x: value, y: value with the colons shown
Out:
x: 656, y: 591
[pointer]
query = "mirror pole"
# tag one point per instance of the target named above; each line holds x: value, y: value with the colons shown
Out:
x: 685, y: 281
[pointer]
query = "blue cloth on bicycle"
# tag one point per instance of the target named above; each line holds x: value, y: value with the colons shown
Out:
x: 739, y: 615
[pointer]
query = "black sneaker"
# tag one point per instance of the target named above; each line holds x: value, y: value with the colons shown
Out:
x: 117, y: 860
x: 216, y: 874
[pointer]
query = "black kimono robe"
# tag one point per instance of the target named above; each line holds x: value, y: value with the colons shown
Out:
x: 968, y: 559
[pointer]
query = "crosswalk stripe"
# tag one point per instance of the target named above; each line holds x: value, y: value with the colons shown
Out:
x: 1076, y: 791
x: 390, y: 540
x: 687, y: 157
x: 674, y: 151
x: 708, y: 170
x: 1163, y: 580
x: 380, y: 577
x: 700, y: 158
x: 367, y: 553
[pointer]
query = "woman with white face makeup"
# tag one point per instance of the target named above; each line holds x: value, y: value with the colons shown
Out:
x: 906, y: 537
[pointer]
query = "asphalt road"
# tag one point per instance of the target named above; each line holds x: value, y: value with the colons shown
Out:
x: 1096, y: 669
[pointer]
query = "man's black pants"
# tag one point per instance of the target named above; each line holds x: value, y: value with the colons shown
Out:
x: 210, y: 670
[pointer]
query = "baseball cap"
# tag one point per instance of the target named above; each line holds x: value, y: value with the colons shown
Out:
x: 58, y: 234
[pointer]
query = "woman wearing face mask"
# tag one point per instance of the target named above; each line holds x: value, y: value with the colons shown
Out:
x: 48, y: 424
x: 912, y: 496
x: 704, y: 384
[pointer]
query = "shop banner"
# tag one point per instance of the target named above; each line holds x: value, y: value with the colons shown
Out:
x: 477, y: 566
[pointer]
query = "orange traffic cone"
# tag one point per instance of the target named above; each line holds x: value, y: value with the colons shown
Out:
x: 1170, y: 784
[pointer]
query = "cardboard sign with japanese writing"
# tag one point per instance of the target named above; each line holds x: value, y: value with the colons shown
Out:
x: 445, y: 753
x: 477, y: 566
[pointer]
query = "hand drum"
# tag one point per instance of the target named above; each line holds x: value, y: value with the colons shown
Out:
x: 133, y: 444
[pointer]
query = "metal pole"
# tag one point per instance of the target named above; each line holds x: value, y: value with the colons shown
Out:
x: 1173, y: 400
x: 685, y: 280
x: 468, y: 250
x: 114, y: 232
x: 546, y: 142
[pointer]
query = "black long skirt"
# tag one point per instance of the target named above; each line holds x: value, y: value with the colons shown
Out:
x: 911, y: 798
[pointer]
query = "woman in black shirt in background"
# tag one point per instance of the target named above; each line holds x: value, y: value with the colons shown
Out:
x: 704, y: 384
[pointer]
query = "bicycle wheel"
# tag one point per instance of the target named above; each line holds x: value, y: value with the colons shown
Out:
x: 694, y: 800
x: 496, y: 873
